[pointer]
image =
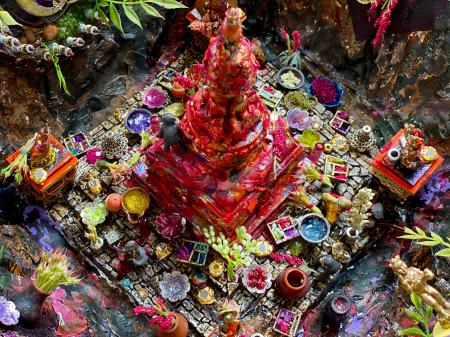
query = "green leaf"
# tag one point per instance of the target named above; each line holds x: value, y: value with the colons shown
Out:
x: 409, y: 231
x: 102, y: 16
x: 410, y: 237
x: 102, y: 4
x: 415, y: 299
x: 412, y: 332
x: 115, y: 17
x: 428, y: 312
x: 436, y: 237
x: 413, y: 315
x: 169, y: 4
x: 131, y: 14
x: 428, y: 243
x: 444, y: 252
x: 7, y: 19
x: 421, y: 232
x: 151, y: 10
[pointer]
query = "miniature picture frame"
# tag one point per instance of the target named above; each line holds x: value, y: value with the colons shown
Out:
x: 165, y: 78
x: 336, y: 168
x: 283, y: 229
x: 341, y: 122
x: 77, y: 144
x: 286, y: 323
x: 193, y: 252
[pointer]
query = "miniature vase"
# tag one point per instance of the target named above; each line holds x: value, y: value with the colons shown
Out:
x: 292, y: 283
x: 29, y: 303
x: 178, y: 91
x: 337, y: 309
x: 180, y: 329
x: 113, y: 203
x: 286, y: 59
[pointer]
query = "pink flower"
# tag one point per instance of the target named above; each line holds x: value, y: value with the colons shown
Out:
x: 141, y: 310
x: 160, y: 302
x: 286, y: 38
x: 297, y: 40
x: 284, y: 34
x: 93, y: 155
x: 157, y: 320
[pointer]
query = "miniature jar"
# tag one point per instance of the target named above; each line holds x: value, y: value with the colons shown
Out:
x: 178, y: 91
x: 180, y: 329
x: 292, y: 283
x: 113, y: 203
x: 337, y: 309
x: 392, y: 157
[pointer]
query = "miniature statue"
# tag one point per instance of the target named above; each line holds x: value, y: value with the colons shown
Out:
x: 171, y: 132
x: 334, y: 206
x: 228, y: 312
x: 137, y: 254
x: 43, y: 153
x: 414, y: 280
x: 411, y: 156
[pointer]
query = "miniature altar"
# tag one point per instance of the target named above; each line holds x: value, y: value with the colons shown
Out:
x: 226, y: 177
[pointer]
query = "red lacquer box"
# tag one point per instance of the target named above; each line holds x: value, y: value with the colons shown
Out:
x: 404, y: 183
x: 60, y: 174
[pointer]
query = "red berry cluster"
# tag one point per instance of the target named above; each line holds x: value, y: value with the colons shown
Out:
x: 279, y: 137
x: 284, y: 257
x: 257, y: 278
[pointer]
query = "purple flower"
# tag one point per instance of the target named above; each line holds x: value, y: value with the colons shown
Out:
x: 298, y: 119
x: 93, y: 155
x: 175, y: 286
x: 154, y: 97
x: 9, y: 315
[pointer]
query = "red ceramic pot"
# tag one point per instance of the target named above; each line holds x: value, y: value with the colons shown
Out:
x: 113, y: 203
x: 180, y: 329
x: 178, y: 91
x: 292, y: 283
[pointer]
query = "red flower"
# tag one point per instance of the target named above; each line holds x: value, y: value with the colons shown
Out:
x: 284, y: 34
x: 297, y: 40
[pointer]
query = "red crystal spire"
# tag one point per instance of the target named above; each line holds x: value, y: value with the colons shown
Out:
x: 226, y: 120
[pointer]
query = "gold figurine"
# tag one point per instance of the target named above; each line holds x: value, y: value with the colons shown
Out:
x: 414, y: 280
x: 228, y: 313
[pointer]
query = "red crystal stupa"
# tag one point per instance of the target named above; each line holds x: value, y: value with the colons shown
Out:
x: 238, y: 167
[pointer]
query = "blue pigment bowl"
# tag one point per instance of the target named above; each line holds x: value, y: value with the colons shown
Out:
x: 137, y: 120
x: 337, y: 100
x: 313, y: 228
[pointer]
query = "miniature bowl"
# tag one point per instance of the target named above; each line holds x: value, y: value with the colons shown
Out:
x: 296, y: 72
x: 137, y: 120
x: 313, y: 228
x: 337, y: 100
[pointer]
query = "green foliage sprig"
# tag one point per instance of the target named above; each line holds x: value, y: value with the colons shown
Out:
x: 235, y: 253
x: 59, y: 74
x: 7, y: 20
x: 424, y: 240
x: 53, y: 271
x: 420, y: 316
x: 128, y: 7
x: 19, y: 165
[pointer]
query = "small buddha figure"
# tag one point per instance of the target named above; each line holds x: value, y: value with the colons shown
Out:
x: 414, y: 280
x: 228, y: 313
x: 43, y: 154
x: 411, y: 156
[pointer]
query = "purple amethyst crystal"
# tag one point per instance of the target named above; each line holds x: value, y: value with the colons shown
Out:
x: 154, y: 97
